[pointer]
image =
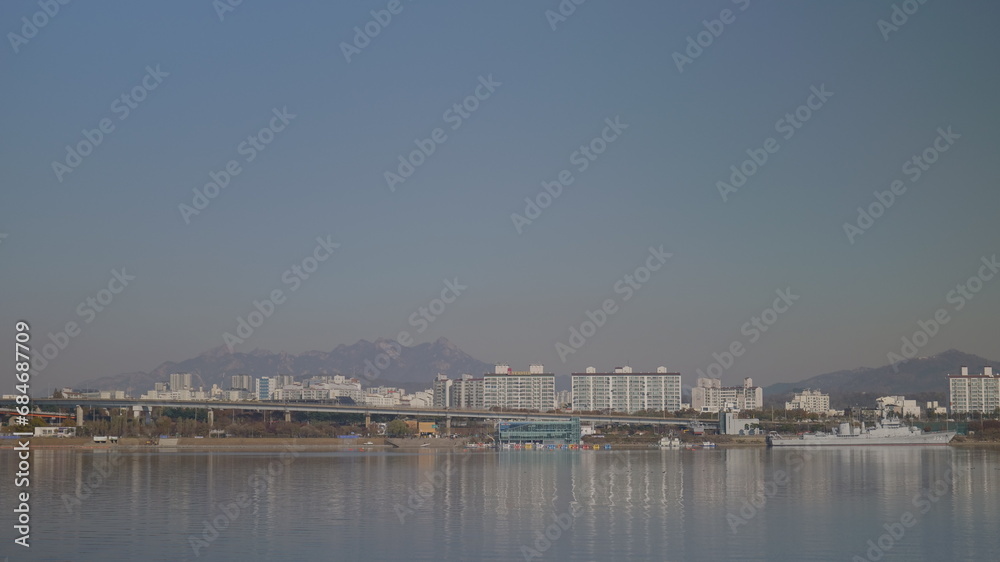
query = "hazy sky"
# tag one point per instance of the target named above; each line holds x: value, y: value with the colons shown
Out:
x: 195, y: 88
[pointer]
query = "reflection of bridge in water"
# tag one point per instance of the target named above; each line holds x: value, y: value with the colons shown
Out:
x: 367, y: 411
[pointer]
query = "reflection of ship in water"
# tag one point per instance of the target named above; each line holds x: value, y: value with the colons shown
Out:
x: 887, y: 432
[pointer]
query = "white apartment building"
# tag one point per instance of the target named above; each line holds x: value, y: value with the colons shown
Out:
x: 710, y: 396
x: 468, y: 393
x: 974, y: 393
x: 626, y: 391
x: 241, y: 382
x: 441, y: 388
x: 812, y: 401
x: 533, y: 389
x: 180, y: 381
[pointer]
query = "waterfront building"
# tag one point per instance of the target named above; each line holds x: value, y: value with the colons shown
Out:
x: 507, y: 389
x: 626, y: 391
x: 55, y: 431
x: 974, y: 393
x: 730, y: 423
x: 539, y: 432
x: 812, y: 401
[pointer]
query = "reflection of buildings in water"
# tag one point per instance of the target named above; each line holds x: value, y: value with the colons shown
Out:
x: 632, y: 501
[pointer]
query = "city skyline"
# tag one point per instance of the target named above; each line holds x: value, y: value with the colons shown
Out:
x: 692, y: 199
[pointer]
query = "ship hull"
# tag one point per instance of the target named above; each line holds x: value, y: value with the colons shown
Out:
x: 939, y: 438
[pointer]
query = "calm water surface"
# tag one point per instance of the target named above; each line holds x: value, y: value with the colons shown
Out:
x: 727, y: 504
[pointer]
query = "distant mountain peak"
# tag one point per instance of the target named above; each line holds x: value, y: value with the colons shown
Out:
x: 414, y: 367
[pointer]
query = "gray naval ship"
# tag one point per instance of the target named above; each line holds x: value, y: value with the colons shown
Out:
x: 887, y: 432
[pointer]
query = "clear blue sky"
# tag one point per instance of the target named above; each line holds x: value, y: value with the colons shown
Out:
x: 323, y: 174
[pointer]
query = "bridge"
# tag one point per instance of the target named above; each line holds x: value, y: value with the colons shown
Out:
x: 367, y: 411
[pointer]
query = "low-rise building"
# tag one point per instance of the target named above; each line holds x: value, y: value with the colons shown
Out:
x: 897, y: 406
x: 934, y: 408
x: 538, y: 432
x: 730, y: 423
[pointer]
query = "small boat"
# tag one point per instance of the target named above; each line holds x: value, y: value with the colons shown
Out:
x: 670, y: 443
x: 367, y: 443
x: 707, y: 445
x: 426, y: 445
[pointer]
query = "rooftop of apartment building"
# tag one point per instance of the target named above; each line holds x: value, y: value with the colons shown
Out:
x: 964, y: 373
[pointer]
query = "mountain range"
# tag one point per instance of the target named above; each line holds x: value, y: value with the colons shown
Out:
x: 383, y: 362
x: 922, y: 379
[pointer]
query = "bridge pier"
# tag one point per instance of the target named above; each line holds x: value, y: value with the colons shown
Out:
x: 211, y: 418
x: 79, y: 416
x: 447, y: 425
x: 368, y: 418
x: 288, y: 415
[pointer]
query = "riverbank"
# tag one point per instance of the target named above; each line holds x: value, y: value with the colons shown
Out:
x: 376, y: 443
x: 241, y: 443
